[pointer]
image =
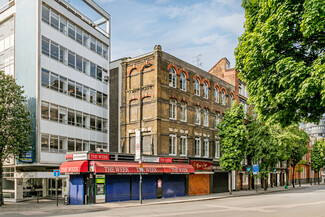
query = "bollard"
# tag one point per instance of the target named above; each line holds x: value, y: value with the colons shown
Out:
x: 37, y: 196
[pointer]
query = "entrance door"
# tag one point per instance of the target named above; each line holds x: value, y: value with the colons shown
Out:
x: 76, y: 190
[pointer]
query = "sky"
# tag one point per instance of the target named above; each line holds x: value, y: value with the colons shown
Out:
x: 207, y: 30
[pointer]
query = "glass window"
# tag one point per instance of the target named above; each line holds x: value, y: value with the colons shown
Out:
x: 78, y: 91
x: 71, y: 59
x: 105, y: 48
x: 197, y: 147
x: 217, y: 120
x: 54, y: 50
x: 71, y: 117
x: 54, y: 81
x: 92, y: 43
x: 45, y: 142
x: 216, y: 95
x: 198, y: 116
x: 85, y: 93
x: 54, y: 144
x: 71, y: 30
x: 71, y: 145
x: 63, y: 85
x: 85, y: 120
x: 92, y: 146
x: 78, y: 35
x: 99, y: 48
x: 85, y: 39
x: 183, y: 145
x: 71, y: 88
x: 217, y: 150
x: 172, y: 109
x: 92, y: 122
x: 79, y: 119
x: 62, y: 144
x: 63, y: 115
x: 231, y: 99
x: 105, y: 147
x: 85, y: 145
x: 45, y: 46
x: 63, y: 25
x: 104, y: 125
x: 205, y: 90
x: 206, y: 118
x: 63, y: 55
x: 223, y: 97
x: 99, y: 73
x: 197, y: 87
x: 183, y: 81
x: 206, y: 148
x: 92, y: 96
x: 99, y: 123
x: 172, y: 144
x: 78, y: 63
x: 86, y: 66
x: 45, y: 78
x: 92, y: 69
x: 99, y: 98
x: 105, y: 102
x: 54, y: 112
x: 172, y: 77
x: 45, y: 110
x: 45, y: 14
x: 54, y: 20
x: 183, y: 112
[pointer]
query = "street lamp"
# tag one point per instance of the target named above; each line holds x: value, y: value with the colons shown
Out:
x: 147, y: 65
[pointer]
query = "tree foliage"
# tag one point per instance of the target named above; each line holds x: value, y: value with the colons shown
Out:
x: 318, y: 155
x: 281, y: 58
x: 15, y: 122
x: 233, y: 134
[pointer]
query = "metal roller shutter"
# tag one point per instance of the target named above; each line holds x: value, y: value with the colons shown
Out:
x: 76, y: 190
x: 149, y: 187
x: 173, y: 186
x: 220, y: 182
x: 117, y: 188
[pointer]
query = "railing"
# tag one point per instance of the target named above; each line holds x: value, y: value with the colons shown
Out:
x: 7, y: 6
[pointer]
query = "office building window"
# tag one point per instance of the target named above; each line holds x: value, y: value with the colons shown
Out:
x: 63, y: 115
x: 45, y: 46
x: 78, y: 119
x: 54, y: 82
x: 45, y: 110
x: 85, y: 39
x: 45, y: 142
x: 92, y: 122
x: 92, y: 44
x: 172, y: 144
x: 71, y: 31
x: 79, y: 63
x: 71, y: 117
x: 54, y: 20
x: 72, y: 88
x: 79, y: 35
x: 46, y: 14
x: 45, y: 78
x: 63, y: 84
x: 63, y: 25
x: 54, y: 113
x: 71, y: 59
x: 54, y: 144
x: 78, y: 91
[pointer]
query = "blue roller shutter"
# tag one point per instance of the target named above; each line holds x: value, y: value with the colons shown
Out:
x: 76, y: 190
x: 149, y: 190
x: 117, y: 188
x: 173, y: 186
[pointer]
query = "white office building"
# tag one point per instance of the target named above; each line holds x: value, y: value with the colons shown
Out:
x: 61, y: 57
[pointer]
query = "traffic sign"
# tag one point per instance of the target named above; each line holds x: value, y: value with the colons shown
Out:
x: 255, y: 169
x: 248, y: 169
x: 274, y: 170
x: 56, y: 173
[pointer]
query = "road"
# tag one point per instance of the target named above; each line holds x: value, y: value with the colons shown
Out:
x: 305, y: 202
x: 301, y: 202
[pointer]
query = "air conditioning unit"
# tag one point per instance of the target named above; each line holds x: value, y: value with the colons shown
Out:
x: 106, y: 78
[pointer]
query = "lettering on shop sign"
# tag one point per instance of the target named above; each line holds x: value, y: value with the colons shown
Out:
x: 165, y: 160
x: 148, y: 170
x: 116, y: 170
x: 69, y: 169
x: 68, y: 156
x: 94, y: 156
x: 179, y: 170
x: 201, y: 165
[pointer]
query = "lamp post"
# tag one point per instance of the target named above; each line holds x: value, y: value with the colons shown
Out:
x: 147, y: 65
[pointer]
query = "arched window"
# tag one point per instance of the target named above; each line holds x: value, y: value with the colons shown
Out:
x: 182, y: 81
x: 197, y: 87
x: 223, y: 97
x: 216, y: 95
x: 217, y: 120
x: 231, y: 99
x: 205, y: 90
x: 183, y: 112
x: 197, y: 115
x: 206, y: 118
x: 172, y: 109
x: 172, y: 77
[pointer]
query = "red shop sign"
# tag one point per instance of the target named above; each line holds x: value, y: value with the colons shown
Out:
x: 201, y: 165
x: 95, y: 156
x: 68, y: 156
x: 165, y: 160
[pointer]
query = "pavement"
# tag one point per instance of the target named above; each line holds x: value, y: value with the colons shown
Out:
x: 31, y: 207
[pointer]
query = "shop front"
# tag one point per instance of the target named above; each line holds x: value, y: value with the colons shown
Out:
x: 199, y: 182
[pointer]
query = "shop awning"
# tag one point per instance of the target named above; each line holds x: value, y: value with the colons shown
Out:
x: 124, y: 167
x: 177, y: 168
x: 71, y: 167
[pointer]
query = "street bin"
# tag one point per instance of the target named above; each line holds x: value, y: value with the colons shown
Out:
x: 286, y: 187
x: 66, y: 200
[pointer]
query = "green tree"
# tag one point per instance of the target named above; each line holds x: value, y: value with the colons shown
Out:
x: 262, y: 147
x: 233, y: 134
x: 15, y: 122
x: 318, y: 156
x: 281, y: 58
x: 301, y: 169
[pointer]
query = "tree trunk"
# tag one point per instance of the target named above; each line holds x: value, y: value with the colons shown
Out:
x: 287, y: 174
x: 265, y: 184
x: 299, y: 180
x: 230, y: 176
x: 1, y: 194
x: 293, y: 178
x: 318, y: 177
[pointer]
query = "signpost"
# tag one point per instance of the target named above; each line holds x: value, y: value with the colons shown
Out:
x: 255, y: 172
x: 137, y: 145
x: 248, y: 169
x: 56, y: 175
